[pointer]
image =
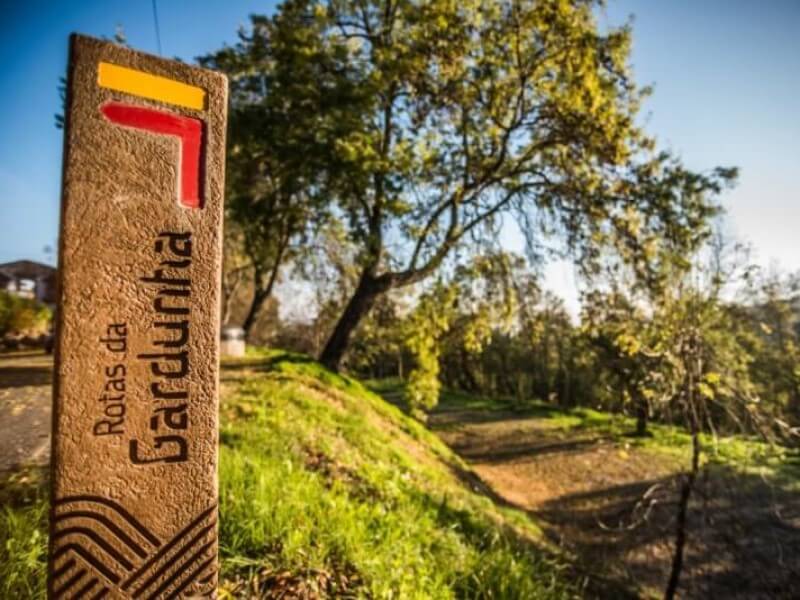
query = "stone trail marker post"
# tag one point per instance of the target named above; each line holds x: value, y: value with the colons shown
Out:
x: 134, y: 466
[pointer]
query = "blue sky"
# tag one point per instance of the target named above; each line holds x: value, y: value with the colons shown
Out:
x: 726, y: 76
x: 727, y: 92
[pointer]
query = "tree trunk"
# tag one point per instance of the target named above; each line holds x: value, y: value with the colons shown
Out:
x: 683, y: 510
x: 359, y: 305
x: 259, y: 297
x: 228, y: 294
x: 641, y: 417
x: 227, y: 307
x: 565, y: 387
x: 686, y: 494
x: 465, y: 376
x: 794, y: 403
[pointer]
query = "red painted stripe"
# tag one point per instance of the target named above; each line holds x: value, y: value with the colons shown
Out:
x: 187, y: 129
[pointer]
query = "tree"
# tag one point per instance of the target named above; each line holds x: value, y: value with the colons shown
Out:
x: 706, y: 367
x: 461, y: 113
x: 550, y: 338
x: 235, y: 269
x: 484, y: 307
x: 772, y: 314
x: 424, y: 329
x: 20, y: 315
x: 274, y: 143
x: 378, y: 350
x: 627, y: 343
x: 329, y: 269
x: 455, y: 316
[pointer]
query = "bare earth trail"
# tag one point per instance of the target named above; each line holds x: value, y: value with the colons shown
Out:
x: 612, y: 506
x: 25, y: 405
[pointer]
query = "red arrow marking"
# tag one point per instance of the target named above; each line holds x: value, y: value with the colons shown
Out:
x: 188, y: 130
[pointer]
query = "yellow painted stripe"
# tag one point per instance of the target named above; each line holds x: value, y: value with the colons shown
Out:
x: 153, y: 87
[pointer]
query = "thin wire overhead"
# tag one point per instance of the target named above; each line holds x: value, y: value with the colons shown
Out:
x: 158, y: 29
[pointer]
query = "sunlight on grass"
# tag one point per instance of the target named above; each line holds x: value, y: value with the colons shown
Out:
x: 322, y: 481
x: 745, y: 454
x: 382, y: 507
x: 23, y: 533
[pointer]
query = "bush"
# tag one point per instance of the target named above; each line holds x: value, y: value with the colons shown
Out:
x: 22, y: 316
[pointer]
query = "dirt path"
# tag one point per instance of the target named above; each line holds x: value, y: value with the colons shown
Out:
x: 613, y: 506
x: 25, y: 405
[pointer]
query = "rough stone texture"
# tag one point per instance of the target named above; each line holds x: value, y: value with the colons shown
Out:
x: 135, y: 530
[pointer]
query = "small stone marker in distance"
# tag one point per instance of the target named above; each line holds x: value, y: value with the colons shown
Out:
x: 134, y: 466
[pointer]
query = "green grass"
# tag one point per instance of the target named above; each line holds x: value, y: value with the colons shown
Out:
x: 321, y: 475
x: 327, y: 486
x: 23, y: 534
x: 742, y: 453
x: 392, y: 389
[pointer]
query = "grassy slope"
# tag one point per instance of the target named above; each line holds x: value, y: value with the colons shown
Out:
x: 324, y: 486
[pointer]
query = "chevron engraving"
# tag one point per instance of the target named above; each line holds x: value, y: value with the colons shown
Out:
x: 100, y: 549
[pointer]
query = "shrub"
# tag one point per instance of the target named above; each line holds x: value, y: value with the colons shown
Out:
x: 22, y: 316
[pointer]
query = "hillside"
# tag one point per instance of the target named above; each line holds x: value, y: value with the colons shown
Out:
x: 328, y: 490
x: 610, y: 498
